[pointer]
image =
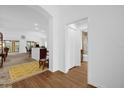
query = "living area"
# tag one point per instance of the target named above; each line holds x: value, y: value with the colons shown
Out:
x: 21, y: 33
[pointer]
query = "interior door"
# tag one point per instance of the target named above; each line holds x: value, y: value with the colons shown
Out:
x: 73, y: 46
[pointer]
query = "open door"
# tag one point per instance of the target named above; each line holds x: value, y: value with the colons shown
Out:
x: 73, y: 48
x: 74, y: 44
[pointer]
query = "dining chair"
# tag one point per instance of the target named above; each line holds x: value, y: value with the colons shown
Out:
x: 43, y: 58
x: 6, y: 50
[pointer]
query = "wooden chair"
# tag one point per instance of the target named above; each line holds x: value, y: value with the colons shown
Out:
x: 28, y: 51
x: 6, y: 50
x: 2, y: 60
x: 43, y: 58
x: 1, y: 49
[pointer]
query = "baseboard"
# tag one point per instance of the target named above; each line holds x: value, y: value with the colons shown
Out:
x: 91, y: 86
x: 96, y: 84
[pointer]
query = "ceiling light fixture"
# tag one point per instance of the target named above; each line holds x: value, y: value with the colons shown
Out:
x: 42, y: 31
x: 36, y: 28
x: 36, y: 24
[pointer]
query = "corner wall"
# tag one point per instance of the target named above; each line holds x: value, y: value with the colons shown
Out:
x: 54, y: 39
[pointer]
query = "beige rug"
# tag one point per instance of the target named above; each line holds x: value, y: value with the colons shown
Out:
x: 14, y: 60
x: 22, y: 71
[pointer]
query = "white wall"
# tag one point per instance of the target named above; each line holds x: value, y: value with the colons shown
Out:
x: 22, y: 45
x: 53, y: 39
x: 30, y: 36
x: 105, y: 41
x: 39, y: 37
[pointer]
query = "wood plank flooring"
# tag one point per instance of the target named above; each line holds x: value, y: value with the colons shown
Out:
x: 12, y: 59
x: 75, y: 78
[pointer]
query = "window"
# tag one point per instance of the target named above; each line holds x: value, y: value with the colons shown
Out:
x: 31, y: 44
x: 13, y: 45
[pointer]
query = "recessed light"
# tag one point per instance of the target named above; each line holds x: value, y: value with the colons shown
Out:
x: 42, y: 31
x: 36, y: 28
x: 73, y: 26
x: 36, y: 24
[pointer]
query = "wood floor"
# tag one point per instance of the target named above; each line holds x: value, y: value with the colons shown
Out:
x: 12, y: 59
x: 75, y: 78
x: 15, y: 59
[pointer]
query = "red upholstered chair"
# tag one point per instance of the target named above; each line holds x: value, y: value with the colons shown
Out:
x: 43, y: 58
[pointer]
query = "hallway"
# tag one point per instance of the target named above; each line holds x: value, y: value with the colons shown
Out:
x: 75, y: 78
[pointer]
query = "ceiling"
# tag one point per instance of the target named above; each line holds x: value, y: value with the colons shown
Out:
x: 81, y: 25
x: 22, y: 18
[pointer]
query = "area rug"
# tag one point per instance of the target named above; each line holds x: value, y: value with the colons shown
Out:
x: 22, y: 71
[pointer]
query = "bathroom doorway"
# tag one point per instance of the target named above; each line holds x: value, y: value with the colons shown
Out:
x: 84, y: 49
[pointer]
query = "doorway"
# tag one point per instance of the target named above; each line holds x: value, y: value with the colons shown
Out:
x: 84, y: 49
x: 76, y: 43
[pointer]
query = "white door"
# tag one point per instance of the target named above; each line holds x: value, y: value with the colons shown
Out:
x: 73, y: 46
